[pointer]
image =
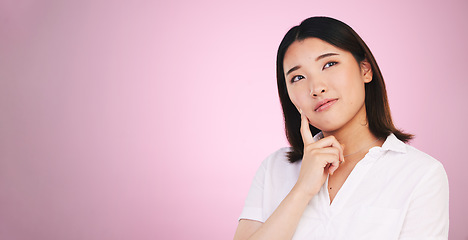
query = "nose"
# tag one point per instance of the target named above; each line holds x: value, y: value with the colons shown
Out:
x: 317, y: 88
x: 316, y: 93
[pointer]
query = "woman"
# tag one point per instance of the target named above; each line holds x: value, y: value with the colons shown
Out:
x: 348, y: 173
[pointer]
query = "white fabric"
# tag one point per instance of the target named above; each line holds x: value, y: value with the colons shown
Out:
x: 394, y: 192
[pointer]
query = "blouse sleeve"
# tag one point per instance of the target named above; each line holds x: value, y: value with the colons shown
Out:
x: 428, y: 213
x: 253, y: 208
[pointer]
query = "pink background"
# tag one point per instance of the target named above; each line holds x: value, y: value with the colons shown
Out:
x: 148, y: 119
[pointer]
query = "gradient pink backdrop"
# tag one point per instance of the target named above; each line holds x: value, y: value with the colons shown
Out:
x: 148, y: 119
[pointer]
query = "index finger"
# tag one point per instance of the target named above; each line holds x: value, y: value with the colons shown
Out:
x: 307, y: 137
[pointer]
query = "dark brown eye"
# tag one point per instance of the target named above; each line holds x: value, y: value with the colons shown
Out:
x: 329, y: 64
x: 296, y: 78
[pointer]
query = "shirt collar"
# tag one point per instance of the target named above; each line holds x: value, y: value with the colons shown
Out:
x: 318, y: 136
x: 392, y: 143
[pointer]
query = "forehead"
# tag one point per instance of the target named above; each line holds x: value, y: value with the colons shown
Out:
x: 308, y: 50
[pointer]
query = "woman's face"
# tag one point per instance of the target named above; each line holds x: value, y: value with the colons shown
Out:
x: 327, y: 83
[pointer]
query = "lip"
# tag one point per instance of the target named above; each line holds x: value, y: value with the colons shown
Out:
x: 325, y: 104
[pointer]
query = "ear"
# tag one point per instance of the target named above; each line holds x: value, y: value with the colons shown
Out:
x: 366, y: 71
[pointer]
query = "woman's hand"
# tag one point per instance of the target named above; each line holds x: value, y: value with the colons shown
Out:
x: 320, y: 158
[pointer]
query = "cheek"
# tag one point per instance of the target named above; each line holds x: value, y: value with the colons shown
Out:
x: 351, y: 84
x: 300, y: 99
x: 356, y: 94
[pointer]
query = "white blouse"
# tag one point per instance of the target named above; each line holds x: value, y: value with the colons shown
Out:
x: 394, y: 192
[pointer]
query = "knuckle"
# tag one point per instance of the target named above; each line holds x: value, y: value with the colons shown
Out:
x: 333, y: 156
x: 336, y: 151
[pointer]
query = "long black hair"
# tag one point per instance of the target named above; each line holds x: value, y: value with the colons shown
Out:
x: 344, y: 37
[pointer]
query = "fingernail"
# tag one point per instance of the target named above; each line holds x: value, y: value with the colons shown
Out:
x: 300, y: 111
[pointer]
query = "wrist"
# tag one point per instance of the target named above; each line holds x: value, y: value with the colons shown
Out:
x: 302, y: 193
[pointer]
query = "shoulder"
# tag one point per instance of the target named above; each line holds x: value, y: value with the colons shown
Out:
x: 277, y: 166
x: 278, y: 158
x: 421, y: 162
x: 416, y: 159
x: 400, y: 153
x: 409, y: 166
x: 406, y: 165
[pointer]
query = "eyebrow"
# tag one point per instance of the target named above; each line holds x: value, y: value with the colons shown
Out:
x: 325, y: 55
x: 293, y: 69
x: 316, y: 59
